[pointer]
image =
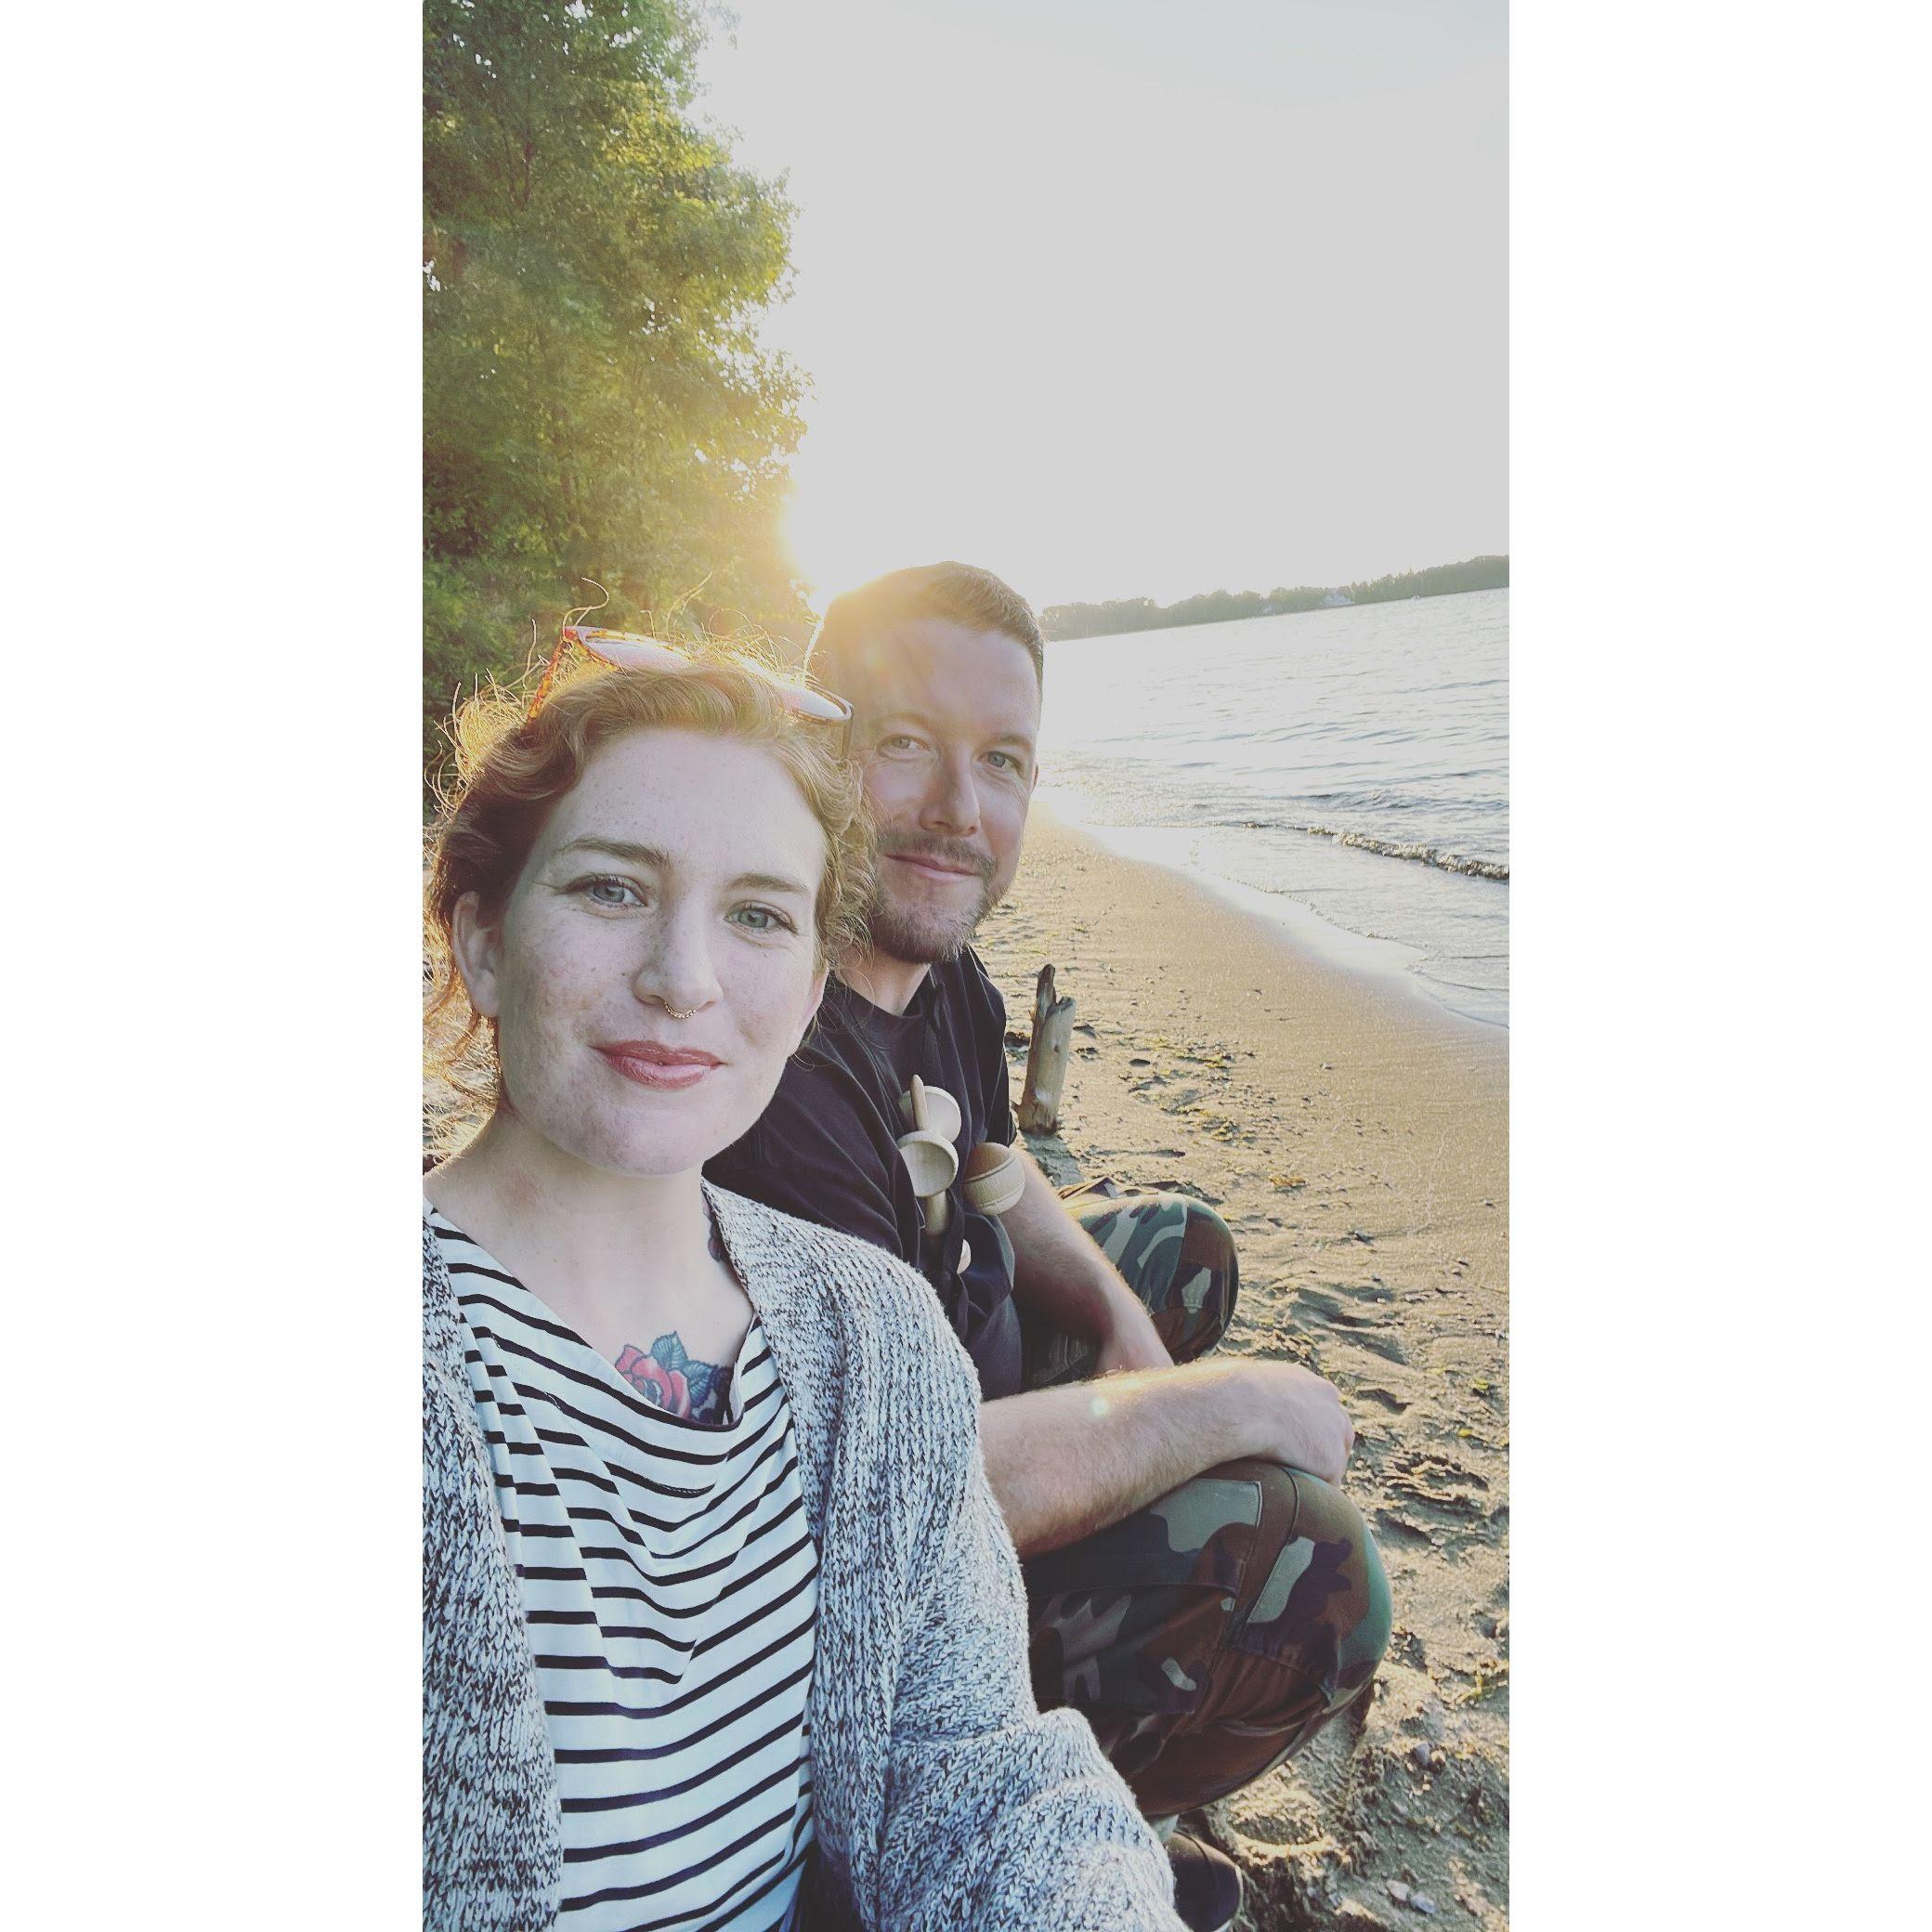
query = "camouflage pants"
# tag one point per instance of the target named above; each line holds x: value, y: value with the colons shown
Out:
x: 1210, y: 1635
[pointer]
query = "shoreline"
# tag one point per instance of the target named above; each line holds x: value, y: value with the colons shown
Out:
x: 1354, y: 1137
x: 1399, y: 963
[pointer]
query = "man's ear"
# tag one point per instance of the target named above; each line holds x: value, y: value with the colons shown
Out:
x: 811, y: 1009
x: 478, y: 950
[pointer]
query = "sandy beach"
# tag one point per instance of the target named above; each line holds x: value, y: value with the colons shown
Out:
x: 1354, y: 1137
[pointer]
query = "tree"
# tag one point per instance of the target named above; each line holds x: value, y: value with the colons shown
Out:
x: 596, y: 403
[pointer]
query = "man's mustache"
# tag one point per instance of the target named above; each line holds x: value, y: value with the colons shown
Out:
x: 946, y: 852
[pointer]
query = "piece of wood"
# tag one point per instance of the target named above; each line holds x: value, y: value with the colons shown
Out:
x: 994, y: 1177
x: 931, y: 1206
x: 1045, y: 1058
x: 942, y: 1111
x: 932, y: 1161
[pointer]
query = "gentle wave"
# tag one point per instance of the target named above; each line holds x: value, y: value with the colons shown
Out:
x: 1381, y: 800
x: 1420, y: 854
x: 1365, y: 842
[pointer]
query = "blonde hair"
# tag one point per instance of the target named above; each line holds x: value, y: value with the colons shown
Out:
x: 513, y: 768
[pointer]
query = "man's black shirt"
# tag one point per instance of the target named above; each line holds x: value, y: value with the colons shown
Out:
x: 827, y: 1149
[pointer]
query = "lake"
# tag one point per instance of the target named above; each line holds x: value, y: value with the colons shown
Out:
x: 1345, y: 771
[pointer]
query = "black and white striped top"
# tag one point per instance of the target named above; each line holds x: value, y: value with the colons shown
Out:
x: 669, y: 1585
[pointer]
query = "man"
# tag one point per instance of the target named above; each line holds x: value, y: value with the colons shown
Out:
x: 1197, y: 1585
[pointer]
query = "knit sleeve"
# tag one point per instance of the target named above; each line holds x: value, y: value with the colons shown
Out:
x: 493, y: 1838
x: 1000, y: 1818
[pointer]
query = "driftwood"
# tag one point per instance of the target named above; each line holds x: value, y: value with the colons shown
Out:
x: 1045, y: 1058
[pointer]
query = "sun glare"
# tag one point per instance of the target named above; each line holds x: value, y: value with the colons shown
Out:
x: 843, y: 526
x: 833, y: 537
x: 1036, y: 344
x: 867, y: 499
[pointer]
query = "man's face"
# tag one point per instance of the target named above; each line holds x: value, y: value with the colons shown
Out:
x: 947, y: 719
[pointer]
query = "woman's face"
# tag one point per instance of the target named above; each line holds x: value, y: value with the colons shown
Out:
x: 678, y: 877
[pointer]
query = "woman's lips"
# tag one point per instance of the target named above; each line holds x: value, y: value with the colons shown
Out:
x: 651, y: 1064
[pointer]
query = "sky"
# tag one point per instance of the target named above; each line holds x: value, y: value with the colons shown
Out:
x: 1137, y: 297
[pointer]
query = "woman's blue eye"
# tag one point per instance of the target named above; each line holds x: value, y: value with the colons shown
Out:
x: 763, y: 919
x: 610, y: 891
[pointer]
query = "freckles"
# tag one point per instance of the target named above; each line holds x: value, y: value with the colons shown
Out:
x: 567, y: 994
x: 565, y: 982
x: 767, y: 1009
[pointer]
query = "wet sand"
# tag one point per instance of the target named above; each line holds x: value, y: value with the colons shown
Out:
x: 1355, y: 1140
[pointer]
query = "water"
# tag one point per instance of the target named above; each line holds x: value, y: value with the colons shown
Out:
x: 1346, y: 770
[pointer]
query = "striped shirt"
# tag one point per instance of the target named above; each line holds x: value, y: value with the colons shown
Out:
x: 669, y: 1585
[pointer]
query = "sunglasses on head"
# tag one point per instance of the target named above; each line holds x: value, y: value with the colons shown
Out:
x: 623, y: 650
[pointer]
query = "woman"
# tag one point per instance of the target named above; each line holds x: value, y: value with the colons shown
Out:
x: 719, y: 1611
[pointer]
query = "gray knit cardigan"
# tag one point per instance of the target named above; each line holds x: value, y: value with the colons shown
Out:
x: 942, y: 1797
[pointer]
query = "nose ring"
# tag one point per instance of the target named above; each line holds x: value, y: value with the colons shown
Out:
x: 674, y: 1013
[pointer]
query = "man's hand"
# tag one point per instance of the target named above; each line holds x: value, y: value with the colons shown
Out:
x: 1130, y: 1340
x: 1294, y: 1415
x: 1067, y: 1461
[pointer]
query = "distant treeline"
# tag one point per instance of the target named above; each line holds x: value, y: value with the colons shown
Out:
x: 1480, y: 573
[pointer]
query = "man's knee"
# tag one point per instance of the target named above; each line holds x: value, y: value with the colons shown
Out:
x: 1130, y: 1626
x: 1304, y: 1638
x: 1259, y: 1578
x: 1323, y: 1608
x: 1208, y: 1267
x: 1213, y: 1633
x: 1177, y: 1255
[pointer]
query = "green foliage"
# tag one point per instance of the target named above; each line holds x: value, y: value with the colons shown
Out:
x: 1480, y: 573
x: 595, y: 402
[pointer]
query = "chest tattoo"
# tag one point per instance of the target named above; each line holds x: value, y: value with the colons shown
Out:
x: 676, y: 1382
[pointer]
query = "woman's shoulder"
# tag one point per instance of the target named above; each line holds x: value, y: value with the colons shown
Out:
x: 442, y: 1339
x: 782, y: 1243
x: 816, y: 1268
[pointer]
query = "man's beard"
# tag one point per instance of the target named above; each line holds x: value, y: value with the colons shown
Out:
x: 926, y: 938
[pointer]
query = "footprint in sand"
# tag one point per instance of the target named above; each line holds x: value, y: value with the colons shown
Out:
x: 1437, y: 1482
x: 1395, y: 1524
x: 1365, y: 1330
x: 1386, y: 1398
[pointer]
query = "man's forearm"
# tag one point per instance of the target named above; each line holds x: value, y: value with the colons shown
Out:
x: 1068, y: 1462
x: 1059, y: 1273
